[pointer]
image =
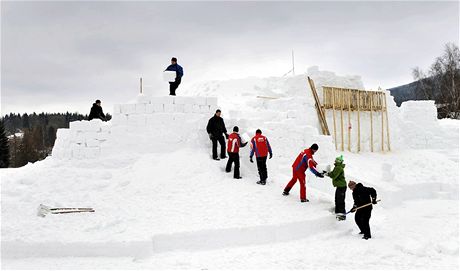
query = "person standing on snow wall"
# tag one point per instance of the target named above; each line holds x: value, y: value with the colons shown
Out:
x: 233, y: 148
x: 261, y: 147
x: 363, y: 195
x: 338, y: 180
x: 216, y: 131
x: 179, y: 73
x: 303, y: 161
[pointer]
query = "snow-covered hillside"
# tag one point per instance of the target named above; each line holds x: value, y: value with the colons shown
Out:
x: 161, y: 202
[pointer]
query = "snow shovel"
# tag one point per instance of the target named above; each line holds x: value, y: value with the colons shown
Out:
x: 362, y: 206
x: 43, y: 210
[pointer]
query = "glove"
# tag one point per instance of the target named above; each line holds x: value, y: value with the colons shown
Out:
x: 320, y: 175
x: 352, y: 210
x: 374, y: 201
x: 210, y: 136
x: 226, y: 136
x: 250, y: 159
x: 271, y: 155
x: 325, y: 173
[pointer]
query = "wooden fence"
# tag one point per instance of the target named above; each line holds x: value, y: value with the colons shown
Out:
x: 346, y: 101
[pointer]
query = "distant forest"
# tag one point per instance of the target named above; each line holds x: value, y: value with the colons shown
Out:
x: 30, y: 137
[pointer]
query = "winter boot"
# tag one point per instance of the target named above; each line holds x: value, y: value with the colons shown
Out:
x: 340, y: 217
x: 261, y: 182
x: 239, y: 177
x: 304, y: 200
x: 285, y: 193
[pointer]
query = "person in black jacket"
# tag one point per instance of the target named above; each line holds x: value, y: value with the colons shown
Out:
x: 216, y: 131
x: 363, y: 195
x: 96, y: 111
x: 179, y: 73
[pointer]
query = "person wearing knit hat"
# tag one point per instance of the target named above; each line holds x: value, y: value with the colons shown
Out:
x: 338, y: 181
x: 303, y: 162
x: 363, y: 195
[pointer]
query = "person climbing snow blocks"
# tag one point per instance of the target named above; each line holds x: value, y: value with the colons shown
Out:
x: 233, y: 148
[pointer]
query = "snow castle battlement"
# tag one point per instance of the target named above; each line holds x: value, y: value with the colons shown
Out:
x: 150, y: 123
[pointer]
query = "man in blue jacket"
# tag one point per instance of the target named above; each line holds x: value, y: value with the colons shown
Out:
x: 179, y: 73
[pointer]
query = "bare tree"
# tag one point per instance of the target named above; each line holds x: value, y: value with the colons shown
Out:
x: 442, y: 82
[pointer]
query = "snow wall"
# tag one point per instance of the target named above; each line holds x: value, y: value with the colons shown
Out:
x: 283, y: 107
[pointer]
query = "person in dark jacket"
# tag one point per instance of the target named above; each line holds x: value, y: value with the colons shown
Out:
x: 179, y: 73
x: 96, y: 111
x: 363, y: 195
x: 216, y: 131
x: 233, y: 148
x: 338, y: 180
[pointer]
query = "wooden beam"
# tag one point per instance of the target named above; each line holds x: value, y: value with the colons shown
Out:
x: 341, y: 116
x: 349, y: 121
x: 333, y: 114
x: 372, y: 128
x: 319, y: 108
x: 359, y: 125
x: 386, y: 117
x: 381, y: 113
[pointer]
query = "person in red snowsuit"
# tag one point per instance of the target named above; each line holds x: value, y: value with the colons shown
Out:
x: 303, y: 162
x: 233, y: 148
x: 261, y: 148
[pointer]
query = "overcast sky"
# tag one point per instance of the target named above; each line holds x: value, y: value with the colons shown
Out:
x: 61, y: 56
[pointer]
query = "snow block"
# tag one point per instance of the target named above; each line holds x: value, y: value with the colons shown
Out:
x: 211, y: 101
x: 180, y: 108
x: 140, y: 108
x: 117, y: 109
x: 169, y: 108
x: 169, y: 76
x: 128, y: 109
x: 91, y: 153
x: 142, y: 99
x: 118, y: 120
x: 183, y: 100
x: 158, y: 108
x: 196, y: 108
x: 149, y: 108
x: 204, y: 109
x: 188, y: 108
x: 163, y: 100
x: 200, y: 100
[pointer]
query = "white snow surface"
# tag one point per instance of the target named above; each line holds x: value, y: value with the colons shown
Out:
x: 170, y: 206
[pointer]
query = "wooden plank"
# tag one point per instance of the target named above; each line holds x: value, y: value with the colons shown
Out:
x: 372, y: 128
x: 341, y: 116
x: 333, y: 114
x: 349, y: 120
x: 381, y: 114
x: 359, y: 125
x: 319, y: 108
x: 386, y: 117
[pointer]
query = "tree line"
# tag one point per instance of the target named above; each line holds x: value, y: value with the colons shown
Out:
x: 441, y: 82
x: 30, y: 137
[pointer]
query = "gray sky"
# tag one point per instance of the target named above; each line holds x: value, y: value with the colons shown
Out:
x: 61, y: 56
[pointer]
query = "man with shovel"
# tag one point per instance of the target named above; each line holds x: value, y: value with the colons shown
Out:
x: 364, y: 198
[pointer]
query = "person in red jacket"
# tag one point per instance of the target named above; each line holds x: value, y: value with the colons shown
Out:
x: 261, y: 147
x: 233, y: 147
x: 301, y: 164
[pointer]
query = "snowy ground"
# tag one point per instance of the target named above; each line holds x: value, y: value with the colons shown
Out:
x: 177, y: 209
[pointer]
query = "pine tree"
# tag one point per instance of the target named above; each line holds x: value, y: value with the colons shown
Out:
x: 4, y: 148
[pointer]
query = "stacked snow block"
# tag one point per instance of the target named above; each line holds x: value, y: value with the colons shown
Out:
x: 420, y: 125
x: 153, y: 123
x: 82, y: 140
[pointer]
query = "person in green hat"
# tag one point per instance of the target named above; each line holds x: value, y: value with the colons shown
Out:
x: 338, y: 180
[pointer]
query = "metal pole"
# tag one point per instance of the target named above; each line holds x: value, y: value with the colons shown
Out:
x: 141, y: 85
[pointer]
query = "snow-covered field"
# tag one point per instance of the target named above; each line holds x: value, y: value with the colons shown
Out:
x: 175, y: 208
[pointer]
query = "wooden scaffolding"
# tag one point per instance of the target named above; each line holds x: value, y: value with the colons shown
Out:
x: 347, y: 101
